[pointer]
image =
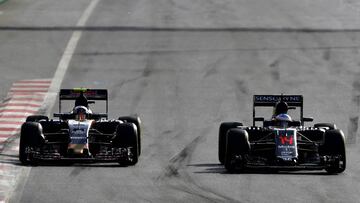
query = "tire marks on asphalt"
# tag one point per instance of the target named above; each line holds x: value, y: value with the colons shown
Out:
x: 181, y: 159
x: 213, y: 67
x: 178, y: 179
x: 275, y: 72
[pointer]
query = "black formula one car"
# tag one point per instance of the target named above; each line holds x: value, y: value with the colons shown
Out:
x: 281, y: 143
x: 80, y: 135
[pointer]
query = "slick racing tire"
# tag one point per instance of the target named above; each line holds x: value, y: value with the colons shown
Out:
x: 334, y: 145
x: 224, y: 128
x: 31, y: 136
x: 126, y: 137
x: 36, y: 118
x: 330, y: 126
x: 237, y: 146
x: 135, y: 120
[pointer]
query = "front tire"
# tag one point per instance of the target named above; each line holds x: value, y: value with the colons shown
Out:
x: 126, y: 137
x: 224, y: 128
x: 334, y: 146
x: 31, y: 137
x: 237, y: 147
x: 135, y: 120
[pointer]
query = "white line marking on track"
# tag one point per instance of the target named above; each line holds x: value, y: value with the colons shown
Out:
x: 12, y: 119
x: 16, y: 105
x: 38, y: 99
x: 12, y: 116
x: 16, y: 101
x: 7, y: 175
x: 66, y: 58
x: 33, y: 85
x: 6, y: 134
x: 34, y: 81
x: 3, y: 139
x: 17, y: 111
x: 32, y: 89
x: 10, y: 107
x: 54, y: 87
x: 28, y: 89
x: 25, y: 96
x: 9, y: 125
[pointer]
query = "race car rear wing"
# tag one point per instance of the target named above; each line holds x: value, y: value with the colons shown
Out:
x: 271, y: 100
x: 90, y: 94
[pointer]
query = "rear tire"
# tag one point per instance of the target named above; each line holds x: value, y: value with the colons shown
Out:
x: 334, y: 145
x: 31, y: 136
x: 126, y: 136
x: 224, y: 128
x: 237, y: 146
x: 135, y: 120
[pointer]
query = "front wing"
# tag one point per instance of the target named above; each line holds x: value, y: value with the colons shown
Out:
x: 323, y: 163
x: 106, y: 154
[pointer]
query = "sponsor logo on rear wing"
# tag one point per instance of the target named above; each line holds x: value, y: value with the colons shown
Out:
x: 271, y: 100
x: 91, y: 94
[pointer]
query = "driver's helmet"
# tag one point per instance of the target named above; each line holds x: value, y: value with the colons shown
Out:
x: 282, y: 120
x: 82, y: 101
x: 81, y: 113
x: 281, y: 107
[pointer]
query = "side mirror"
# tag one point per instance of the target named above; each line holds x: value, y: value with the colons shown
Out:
x: 308, y: 119
x: 259, y: 119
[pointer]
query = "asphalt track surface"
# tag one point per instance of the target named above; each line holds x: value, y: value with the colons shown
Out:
x: 183, y: 83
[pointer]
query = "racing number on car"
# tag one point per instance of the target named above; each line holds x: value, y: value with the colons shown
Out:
x: 284, y: 139
x: 286, y: 144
